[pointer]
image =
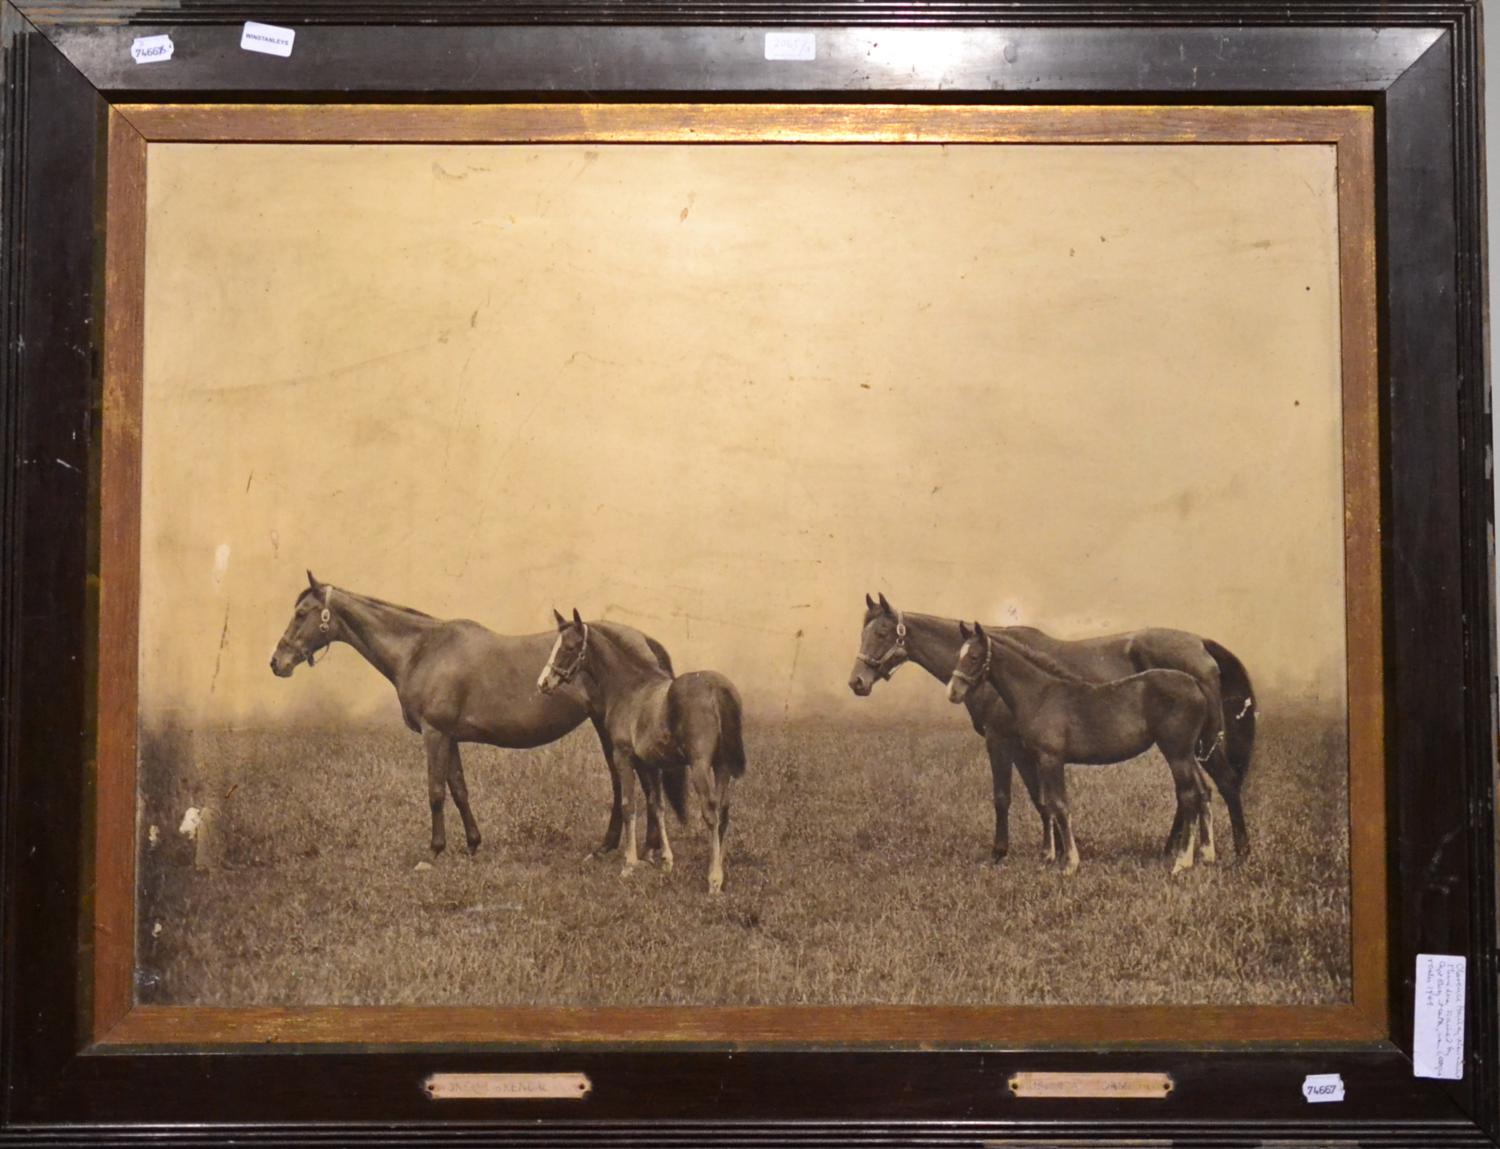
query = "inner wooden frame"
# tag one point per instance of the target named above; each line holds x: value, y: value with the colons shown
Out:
x: 109, y: 992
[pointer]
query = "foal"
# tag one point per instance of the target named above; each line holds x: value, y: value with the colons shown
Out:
x: 656, y: 725
x: 1063, y: 718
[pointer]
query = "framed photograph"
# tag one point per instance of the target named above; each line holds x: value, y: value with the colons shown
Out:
x: 582, y: 573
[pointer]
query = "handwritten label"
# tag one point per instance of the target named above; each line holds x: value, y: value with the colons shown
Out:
x: 1437, y: 1043
x: 1319, y: 1087
x: 507, y: 1086
x: 267, y: 38
x: 791, y: 46
x: 1146, y: 1085
x: 151, y: 49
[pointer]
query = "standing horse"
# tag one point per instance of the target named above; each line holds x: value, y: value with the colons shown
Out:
x: 656, y: 725
x: 456, y: 681
x: 889, y: 638
x: 1063, y: 718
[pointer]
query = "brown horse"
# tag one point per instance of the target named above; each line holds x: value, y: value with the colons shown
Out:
x: 1063, y: 718
x: 657, y: 725
x: 890, y: 638
x: 456, y: 682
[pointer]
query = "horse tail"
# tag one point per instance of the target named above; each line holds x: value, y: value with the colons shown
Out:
x: 674, y: 786
x: 663, y: 659
x: 1239, y: 711
x: 731, y: 735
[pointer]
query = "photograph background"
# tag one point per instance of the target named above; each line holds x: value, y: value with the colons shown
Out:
x: 719, y: 393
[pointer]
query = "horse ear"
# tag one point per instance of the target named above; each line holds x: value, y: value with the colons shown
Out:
x: 885, y: 606
x: 562, y: 623
x: 979, y: 630
x: 313, y: 582
x: 577, y: 619
x: 869, y: 602
x: 963, y: 630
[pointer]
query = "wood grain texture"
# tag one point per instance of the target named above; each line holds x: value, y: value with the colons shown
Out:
x: 1359, y: 332
x: 736, y: 123
x: 1348, y: 128
x: 920, y: 1027
x: 119, y: 576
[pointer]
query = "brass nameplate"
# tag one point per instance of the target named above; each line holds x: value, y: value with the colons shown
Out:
x: 507, y: 1086
x: 1155, y: 1085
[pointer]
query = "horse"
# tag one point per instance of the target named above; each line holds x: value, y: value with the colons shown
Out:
x: 1064, y: 718
x: 890, y: 638
x: 456, y: 682
x: 657, y: 726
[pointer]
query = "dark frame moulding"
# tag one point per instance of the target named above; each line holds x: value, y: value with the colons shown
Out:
x: 1415, y: 63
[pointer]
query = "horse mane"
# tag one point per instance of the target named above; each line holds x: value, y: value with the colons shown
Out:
x: 662, y: 657
x: 1037, y: 658
x: 616, y: 633
x: 370, y: 598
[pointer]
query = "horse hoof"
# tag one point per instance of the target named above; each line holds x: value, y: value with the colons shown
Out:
x: 627, y: 870
x: 1208, y: 854
x: 473, y: 847
x: 666, y: 865
x: 1180, y: 865
x: 438, y: 848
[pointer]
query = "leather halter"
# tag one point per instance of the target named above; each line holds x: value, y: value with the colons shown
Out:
x: 883, y: 666
x: 984, y: 670
x: 566, y: 676
x: 325, y: 623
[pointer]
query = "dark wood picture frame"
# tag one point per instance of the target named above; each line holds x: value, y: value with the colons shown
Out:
x: 78, y: 113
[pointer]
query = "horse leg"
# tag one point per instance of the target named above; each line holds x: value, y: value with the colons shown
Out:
x: 999, y: 753
x: 612, y: 831
x: 459, y: 788
x: 652, y: 783
x: 1052, y: 776
x: 1217, y: 766
x: 625, y: 768
x: 712, y: 785
x: 1174, y: 835
x: 1206, y: 851
x: 439, y: 747
x: 1186, y: 778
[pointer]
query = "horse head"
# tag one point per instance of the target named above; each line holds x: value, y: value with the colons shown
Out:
x: 313, y: 626
x: 569, y: 653
x: 882, y: 646
x: 973, y: 661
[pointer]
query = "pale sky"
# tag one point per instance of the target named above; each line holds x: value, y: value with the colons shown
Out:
x: 720, y: 392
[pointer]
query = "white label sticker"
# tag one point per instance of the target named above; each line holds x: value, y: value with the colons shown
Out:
x: 1318, y: 1087
x: 151, y: 49
x: 267, y: 38
x: 1437, y: 1043
x: 791, y: 46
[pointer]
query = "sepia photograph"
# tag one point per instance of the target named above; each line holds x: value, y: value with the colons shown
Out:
x: 701, y: 574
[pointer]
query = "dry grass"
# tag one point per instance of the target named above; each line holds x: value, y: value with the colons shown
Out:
x: 854, y: 876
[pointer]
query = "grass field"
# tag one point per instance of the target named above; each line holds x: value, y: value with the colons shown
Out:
x: 854, y: 876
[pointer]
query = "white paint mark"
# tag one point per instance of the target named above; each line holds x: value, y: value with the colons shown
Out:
x: 153, y: 835
x: 1437, y: 1047
x: 422, y: 867
x: 221, y: 562
x: 156, y: 930
x: 151, y: 49
x: 791, y: 46
x: 267, y: 38
x: 1322, y: 1087
x: 1245, y: 709
x: 65, y: 463
x: 190, y: 823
